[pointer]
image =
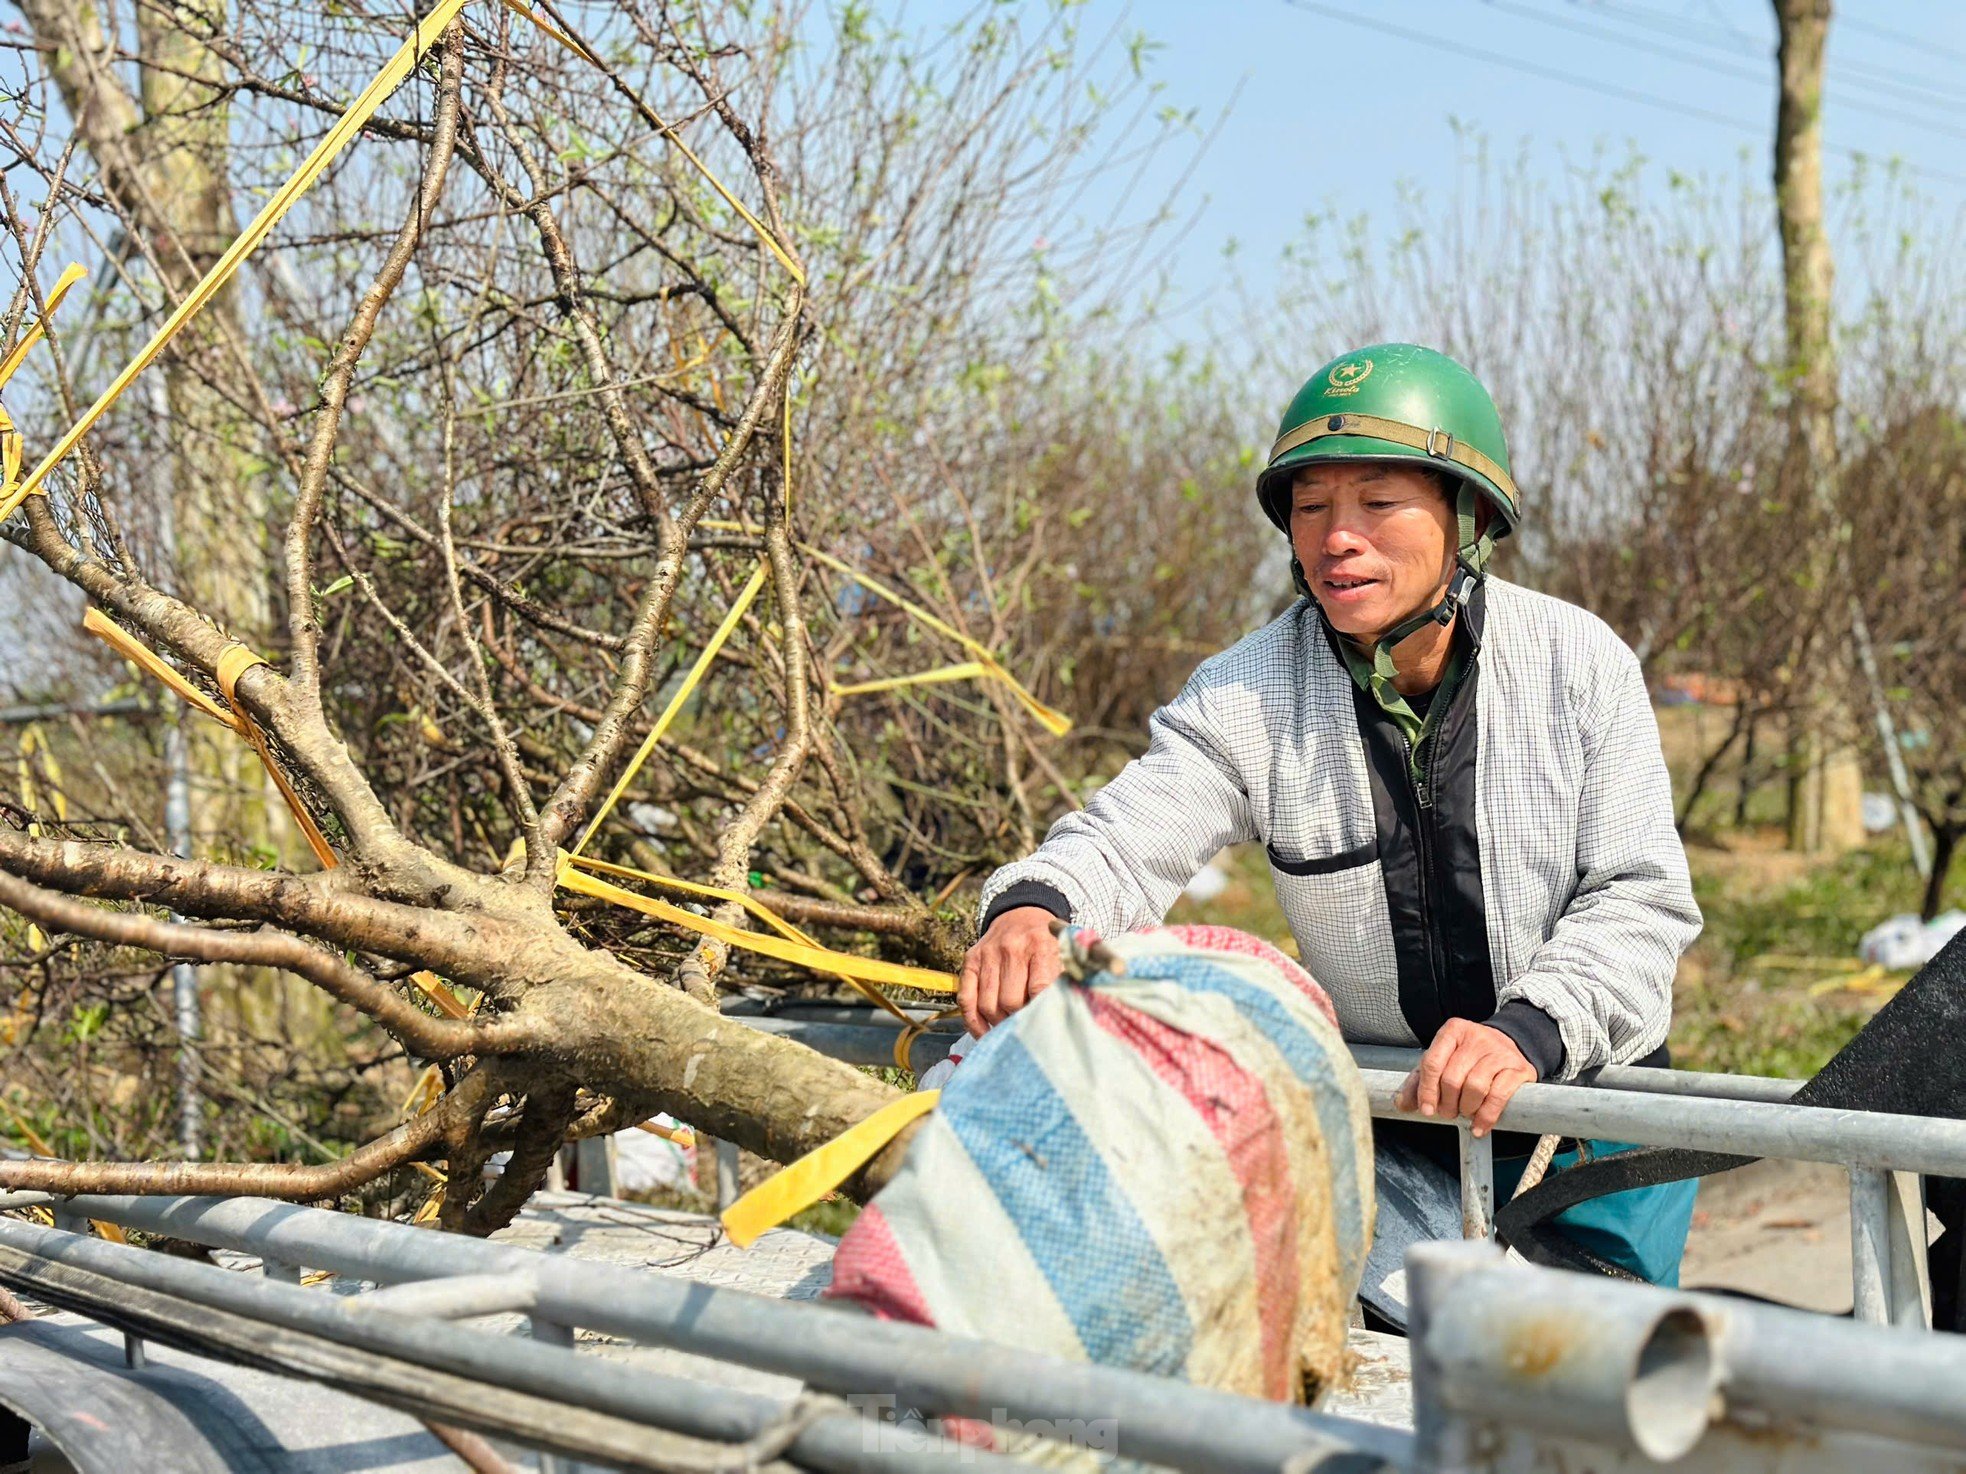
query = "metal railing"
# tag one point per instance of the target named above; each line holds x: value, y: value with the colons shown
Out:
x: 542, y: 1390
x: 1741, y: 1115
x: 1515, y: 1368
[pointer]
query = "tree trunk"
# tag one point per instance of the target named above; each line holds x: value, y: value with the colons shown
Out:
x: 1945, y: 841
x: 1744, y: 784
x: 219, y: 504
x: 1825, y: 784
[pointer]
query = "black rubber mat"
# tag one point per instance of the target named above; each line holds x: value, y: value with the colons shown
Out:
x: 1910, y: 1059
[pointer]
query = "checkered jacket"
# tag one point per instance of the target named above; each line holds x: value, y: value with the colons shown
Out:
x: 1588, y: 904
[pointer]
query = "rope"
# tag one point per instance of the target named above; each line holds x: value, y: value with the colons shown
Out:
x: 1539, y: 1163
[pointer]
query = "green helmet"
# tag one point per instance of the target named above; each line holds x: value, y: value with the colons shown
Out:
x: 1399, y: 402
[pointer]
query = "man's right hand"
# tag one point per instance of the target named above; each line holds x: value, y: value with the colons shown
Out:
x: 1011, y: 963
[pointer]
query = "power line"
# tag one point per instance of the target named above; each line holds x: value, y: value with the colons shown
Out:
x: 1588, y: 84
x: 1739, y: 73
x: 1921, y: 44
x: 1726, y: 38
x: 1548, y: 74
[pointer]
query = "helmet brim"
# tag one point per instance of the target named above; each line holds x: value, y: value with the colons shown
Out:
x: 1273, y: 486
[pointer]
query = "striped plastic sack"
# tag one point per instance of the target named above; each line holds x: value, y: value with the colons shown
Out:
x: 1168, y: 1170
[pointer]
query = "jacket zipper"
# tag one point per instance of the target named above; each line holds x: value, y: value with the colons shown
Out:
x: 1423, y: 803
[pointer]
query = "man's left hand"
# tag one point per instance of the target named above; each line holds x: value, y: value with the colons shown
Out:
x: 1469, y: 1070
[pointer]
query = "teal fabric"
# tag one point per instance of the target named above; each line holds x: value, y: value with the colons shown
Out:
x: 1643, y: 1230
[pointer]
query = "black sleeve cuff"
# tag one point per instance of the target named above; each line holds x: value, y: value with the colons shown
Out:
x: 1027, y: 893
x: 1535, y: 1033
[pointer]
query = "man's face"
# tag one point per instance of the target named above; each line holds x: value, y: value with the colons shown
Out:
x: 1374, y: 540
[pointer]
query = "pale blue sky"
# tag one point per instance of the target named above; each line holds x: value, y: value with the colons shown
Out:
x: 1336, y: 103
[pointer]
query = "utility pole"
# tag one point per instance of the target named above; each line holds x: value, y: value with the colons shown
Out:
x: 1825, y: 783
x: 184, y: 977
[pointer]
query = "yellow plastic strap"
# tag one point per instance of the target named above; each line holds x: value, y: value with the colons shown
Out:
x: 39, y: 1146
x: 654, y: 121
x: 1053, y: 721
x: 142, y: 656
x: 10, y: 453
x: 969, y: 670
x: 904, y: 1044
x: 683, y: 694
x: 34, y: 334
x: 233, y: 663
x: 448, y: 1003
x: 818, y: 1172
x: 817, y: 959
x: 346, y: 127
x: 751, y: 904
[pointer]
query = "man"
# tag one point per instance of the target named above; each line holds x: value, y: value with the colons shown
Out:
x: 1458, y: 782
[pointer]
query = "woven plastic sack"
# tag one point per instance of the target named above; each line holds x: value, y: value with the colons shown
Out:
x: 1168, y: 1170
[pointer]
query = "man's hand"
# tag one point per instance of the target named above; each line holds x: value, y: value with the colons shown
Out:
x: 1011, y: 963
x: 1469, y: 1070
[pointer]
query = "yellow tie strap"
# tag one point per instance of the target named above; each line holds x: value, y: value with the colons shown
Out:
x: 969, y: 670
x: 750, y: 904
x: 815, y: 958
x: 346, y: 127
x: 11, y: 446
x: 681, y: 1136
x: 10, y: 453
x: 683, y: 694
x: 818, y: 1172
x: 233, y: 663
x: 913, y: 1029
x: 986, y: 664
x: 34, y: 334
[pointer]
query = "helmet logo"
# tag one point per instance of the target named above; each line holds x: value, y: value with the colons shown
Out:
x: 1347, y: 374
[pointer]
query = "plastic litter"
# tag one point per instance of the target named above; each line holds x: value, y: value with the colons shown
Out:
x: 1904, y: 942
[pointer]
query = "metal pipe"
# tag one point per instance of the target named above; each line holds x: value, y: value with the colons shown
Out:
x: 1477, y: 1184
x: 621, y: 1389
x: 863, y: 1014
x: 460, y: 1297
x: 1157, y: 1420
x: 1835, y: 1373
x: 865, y: 1036
x: 13, y: 716
x: 1870, y: 1245
x: 1623, y: 1367
x: 1822, y: 1371
x: 184, y: 977
x: 1887, y: 731
x: 857, y: 1044
x: 1638, y: 1078
x: 1745, y: 1128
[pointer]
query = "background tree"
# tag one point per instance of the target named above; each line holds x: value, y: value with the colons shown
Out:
x: 519, y: 370
x: 1825, y: 785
